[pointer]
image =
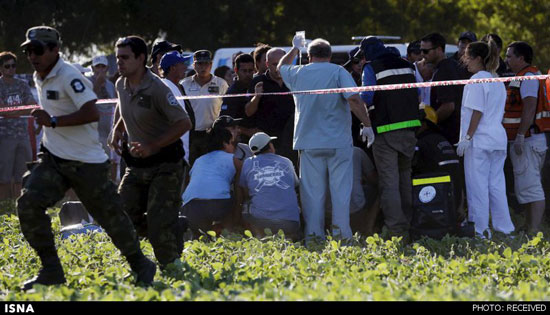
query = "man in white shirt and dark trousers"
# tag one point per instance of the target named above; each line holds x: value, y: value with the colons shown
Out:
x: 174, y: 67
x: 206, y: 110
x: 71, y: 157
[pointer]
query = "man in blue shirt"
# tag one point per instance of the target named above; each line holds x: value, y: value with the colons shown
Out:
x: 322, y: 134
x: 269, y: 180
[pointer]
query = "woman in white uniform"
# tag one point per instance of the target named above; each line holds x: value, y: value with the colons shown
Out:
x: 483, y: 142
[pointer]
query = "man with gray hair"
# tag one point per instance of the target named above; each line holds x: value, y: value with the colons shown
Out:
x: 322, y: 134
x: 273, y: 115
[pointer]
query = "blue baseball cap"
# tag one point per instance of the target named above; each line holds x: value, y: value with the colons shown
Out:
x: 171, y: 58
x: 468, y: 35
x: 372, y: 47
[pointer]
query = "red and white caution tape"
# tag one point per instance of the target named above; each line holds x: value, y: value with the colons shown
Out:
x: 372, y: 88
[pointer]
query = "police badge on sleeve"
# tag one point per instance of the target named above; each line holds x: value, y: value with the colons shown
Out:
x: 77, y: 86
x: 172, y: 99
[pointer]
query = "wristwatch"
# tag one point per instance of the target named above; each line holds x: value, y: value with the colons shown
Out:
x: 468, y: 137
x: 53, y: 121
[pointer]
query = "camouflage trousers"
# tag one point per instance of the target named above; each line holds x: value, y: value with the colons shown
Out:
x: 46, y: 183
x: 152, y: 198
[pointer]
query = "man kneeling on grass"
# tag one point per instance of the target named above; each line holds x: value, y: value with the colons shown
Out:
x: 270, y: 181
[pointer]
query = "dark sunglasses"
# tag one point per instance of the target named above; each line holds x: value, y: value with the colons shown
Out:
x: 37, y: 50
x: 427, y: 50
x: 355, y: 60
x: 13, y: 66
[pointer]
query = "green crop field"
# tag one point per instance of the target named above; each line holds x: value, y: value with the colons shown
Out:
x: 234, y: 267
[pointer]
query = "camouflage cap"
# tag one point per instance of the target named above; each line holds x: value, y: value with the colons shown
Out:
x: 41, y: 35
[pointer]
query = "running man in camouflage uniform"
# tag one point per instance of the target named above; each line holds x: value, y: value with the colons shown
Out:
x: 71, y: 157
x: 154, y: 122
x: 15, y: 143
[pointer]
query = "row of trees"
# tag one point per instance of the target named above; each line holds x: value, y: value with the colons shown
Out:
x: 87, y: 26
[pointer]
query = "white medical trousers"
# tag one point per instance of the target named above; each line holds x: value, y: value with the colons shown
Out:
x: 486, y: 190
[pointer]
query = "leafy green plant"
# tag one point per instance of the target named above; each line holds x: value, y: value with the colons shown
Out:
x: 241, y: 267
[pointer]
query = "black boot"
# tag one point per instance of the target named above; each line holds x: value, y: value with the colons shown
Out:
x: 143, y: 267
x: 50, y: 274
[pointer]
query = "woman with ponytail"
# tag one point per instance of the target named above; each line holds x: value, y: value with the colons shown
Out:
x: 483, y: 142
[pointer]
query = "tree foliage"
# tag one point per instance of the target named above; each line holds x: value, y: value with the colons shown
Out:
x: 89, y: 26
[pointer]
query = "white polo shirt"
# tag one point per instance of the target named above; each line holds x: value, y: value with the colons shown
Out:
x: 206, y: 110
x: 63, y: 92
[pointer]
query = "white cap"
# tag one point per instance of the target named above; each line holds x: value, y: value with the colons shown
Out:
x: 259, y: 140
x: 100, y: 60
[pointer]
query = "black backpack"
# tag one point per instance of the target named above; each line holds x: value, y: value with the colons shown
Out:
x: 433, y: 206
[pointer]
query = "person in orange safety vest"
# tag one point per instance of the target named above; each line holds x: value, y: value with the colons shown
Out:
x: 526, y: 121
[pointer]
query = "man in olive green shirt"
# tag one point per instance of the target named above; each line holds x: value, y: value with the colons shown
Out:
x: 154, y: 122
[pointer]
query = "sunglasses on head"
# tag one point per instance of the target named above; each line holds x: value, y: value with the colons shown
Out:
x: 426, y: 51
x: 37, y: 50
x: 13, y: 66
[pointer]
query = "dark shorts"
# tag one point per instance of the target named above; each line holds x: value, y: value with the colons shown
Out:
x: 203, y: 214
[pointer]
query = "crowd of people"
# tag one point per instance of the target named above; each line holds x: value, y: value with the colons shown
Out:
x: 300, y: 163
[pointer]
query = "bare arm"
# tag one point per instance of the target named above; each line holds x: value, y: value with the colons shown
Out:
x: 115, y: 137
x: 288, y: 58
x: 251, y: 107
x: 173, y: 133
x: 359, y: 108
x: 528, y: 114
x: 445, y: 111
x: 88, y: 113
x: 118, y: 124
x: 474, y: 122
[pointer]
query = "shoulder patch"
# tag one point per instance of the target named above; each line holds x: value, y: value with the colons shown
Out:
x: 78, y: 86
x: 172, y: 99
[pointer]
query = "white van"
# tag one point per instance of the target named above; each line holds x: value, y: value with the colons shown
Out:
x: 225, y: 56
